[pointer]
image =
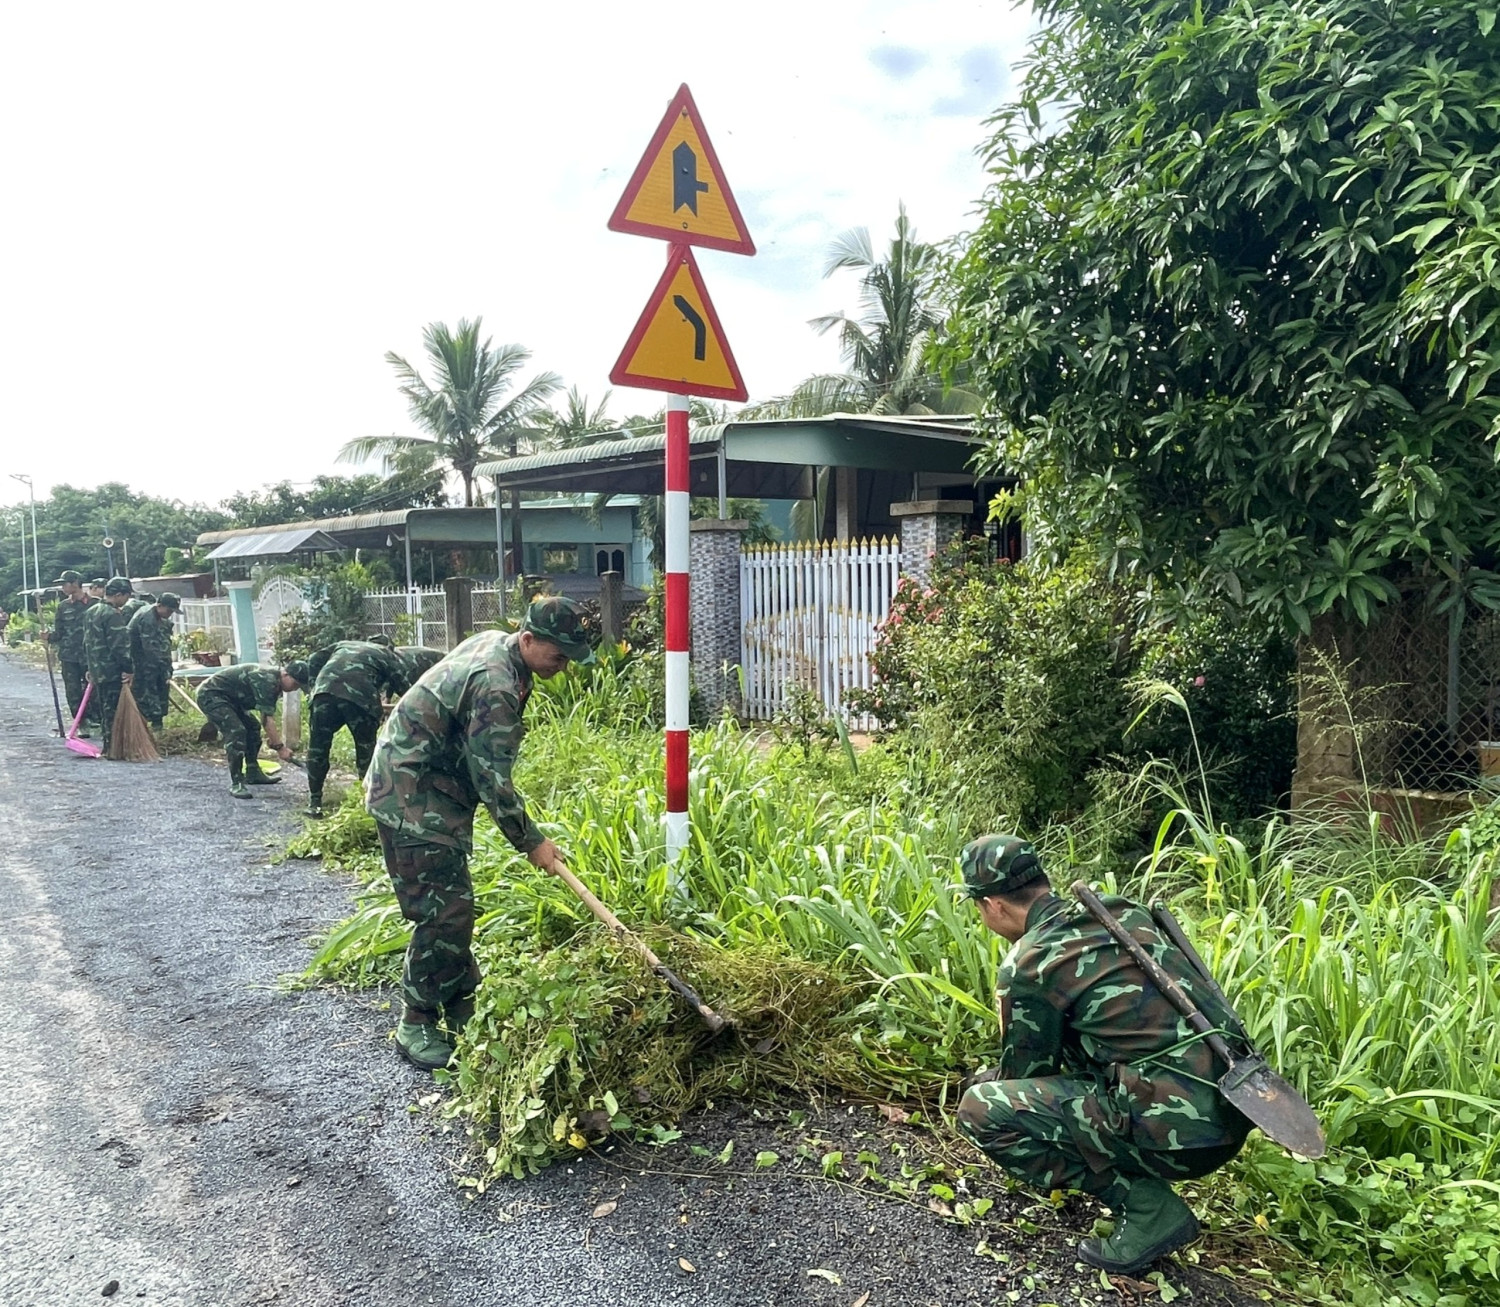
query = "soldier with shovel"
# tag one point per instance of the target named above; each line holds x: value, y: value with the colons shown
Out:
x: 1104, y: 1084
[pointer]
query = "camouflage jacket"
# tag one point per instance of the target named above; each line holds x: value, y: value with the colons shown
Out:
x: 150, y: 639
x: 247, y: 686
x: 1072, y: 1002
x: 68, y: 628
x: 106, y: 641
x: 450, y: 744
x: 359, y: 672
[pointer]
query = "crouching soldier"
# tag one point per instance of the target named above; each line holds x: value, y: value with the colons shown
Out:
x: 1101, y: 1086
x: 239, y: 701
x: 447, y: 747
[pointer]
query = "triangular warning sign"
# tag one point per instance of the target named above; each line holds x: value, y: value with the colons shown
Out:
x: 678, y: 344
x: 678, y: 192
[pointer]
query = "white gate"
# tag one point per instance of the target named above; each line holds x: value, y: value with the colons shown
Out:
x: 278, y: 597
x: 809, y: 615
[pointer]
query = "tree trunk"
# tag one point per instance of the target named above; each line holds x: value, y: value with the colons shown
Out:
x: 1327, y: 756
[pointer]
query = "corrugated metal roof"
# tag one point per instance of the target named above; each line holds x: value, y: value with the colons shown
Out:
x: 598, y: 452
x: 359, y: 522
x: 271, y: 544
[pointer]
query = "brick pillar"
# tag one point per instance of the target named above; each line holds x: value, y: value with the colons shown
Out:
x: 458, y: 607
x: 928, y: 526
x: 612, y: 606
x: 714, y: 598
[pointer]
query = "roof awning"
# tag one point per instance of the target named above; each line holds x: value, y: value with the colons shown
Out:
x: 276, y: 544
x: 771, y: 459
x: 441, y: 528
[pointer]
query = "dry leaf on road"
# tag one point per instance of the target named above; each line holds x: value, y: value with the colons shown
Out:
x: 687, y: 1266
x: 895, y: 1115
x: 605, y: 1209
x: 862, y: 1299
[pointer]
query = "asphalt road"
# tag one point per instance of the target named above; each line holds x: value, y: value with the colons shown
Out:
x: 177, y: 1127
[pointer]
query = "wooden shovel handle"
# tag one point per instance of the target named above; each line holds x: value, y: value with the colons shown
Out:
x: 711, y: 1019
x: 1169, y: 987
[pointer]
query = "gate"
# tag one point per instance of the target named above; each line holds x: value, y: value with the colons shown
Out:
x: 809, y: 617
x: 278, y: 597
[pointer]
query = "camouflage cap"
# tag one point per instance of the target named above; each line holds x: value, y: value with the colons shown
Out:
x: 299, y: 671
x: 147, y: 596
x: 99, y: 581
x: 558, y: 619
x: 169, y: 600
x: 383, y: 640
x: 69, y: 577
x: 999, y: 864
x: 117, y: 585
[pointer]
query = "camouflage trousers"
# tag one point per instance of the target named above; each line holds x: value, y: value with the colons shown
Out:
x: 239, y: 730
x: 437, y: 897
x: 75, y: 676
x: 1058, y: 1132
x: 150, y: 690
x: 107, y: 697
x: 329, y: 713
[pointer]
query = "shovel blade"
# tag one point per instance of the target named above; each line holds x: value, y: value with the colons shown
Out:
x: 1267, y: 1101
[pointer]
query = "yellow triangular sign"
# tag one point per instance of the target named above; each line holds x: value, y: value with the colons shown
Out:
x: 678, y: 344
x: 678, y: 192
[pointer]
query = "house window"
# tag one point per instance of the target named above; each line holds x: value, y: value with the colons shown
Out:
x: 617, y: 561
x: 601, y: 562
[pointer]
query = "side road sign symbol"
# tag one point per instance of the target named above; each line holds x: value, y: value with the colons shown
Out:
x: 678, y: 344
x: 678, y: 192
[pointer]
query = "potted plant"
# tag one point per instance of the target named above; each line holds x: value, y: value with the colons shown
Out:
x: 205, y: 647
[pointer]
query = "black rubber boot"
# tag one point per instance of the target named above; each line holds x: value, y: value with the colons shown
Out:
x: 236, y: 775
x: 254, y: 775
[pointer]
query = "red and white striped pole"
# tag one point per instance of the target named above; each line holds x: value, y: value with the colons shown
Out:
x: 677, y: 625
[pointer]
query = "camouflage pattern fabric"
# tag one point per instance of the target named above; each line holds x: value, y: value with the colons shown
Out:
x: 436, y: 896
x: 234, y: 700
x: 67, y: 630
x: 248, y: 686
x: 360, y: 673
x: 240, y: 730
x: 151, y: 652
x: 106, y: 640
x: 418, y: 659
x: 1099, y: 1077
x: 327, y: 716
x: 450, y: 744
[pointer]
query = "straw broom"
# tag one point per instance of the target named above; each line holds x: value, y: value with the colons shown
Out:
x: 130, y: 738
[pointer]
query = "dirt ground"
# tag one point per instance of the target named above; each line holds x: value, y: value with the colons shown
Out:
x: 181, y: 1128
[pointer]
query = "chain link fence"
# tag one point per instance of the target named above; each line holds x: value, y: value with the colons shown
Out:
x: 1423, y: 695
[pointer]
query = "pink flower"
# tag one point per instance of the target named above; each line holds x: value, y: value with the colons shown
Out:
x: 1199, y: 681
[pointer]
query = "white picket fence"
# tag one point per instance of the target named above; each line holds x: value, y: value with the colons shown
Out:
x: 211, y: 615
x: 809, y: 616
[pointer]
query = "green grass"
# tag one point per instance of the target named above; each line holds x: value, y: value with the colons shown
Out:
x: 815, y: 903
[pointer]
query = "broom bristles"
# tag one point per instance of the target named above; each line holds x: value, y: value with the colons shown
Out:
x: 130, y: 738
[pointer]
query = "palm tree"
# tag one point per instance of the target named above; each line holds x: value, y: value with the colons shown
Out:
x: 884, y: 349
x: 464, y: 411
x: 578, y: 424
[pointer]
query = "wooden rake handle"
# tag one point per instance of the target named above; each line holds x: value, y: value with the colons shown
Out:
x: 711, y: 1019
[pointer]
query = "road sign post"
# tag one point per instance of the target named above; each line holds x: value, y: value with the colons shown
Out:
x: 678, y: 193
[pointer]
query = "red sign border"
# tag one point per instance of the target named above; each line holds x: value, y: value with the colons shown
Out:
x: 619, y: 376
x: 619, y: 222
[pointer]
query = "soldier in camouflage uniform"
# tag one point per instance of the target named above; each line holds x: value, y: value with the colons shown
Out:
x: 151, y: 652
x: 106, y: 640
x: 240, y: 700
x: 449, y: 745
x: 351, y: 678
x: 1102, y: 1085
x: 66, y: 639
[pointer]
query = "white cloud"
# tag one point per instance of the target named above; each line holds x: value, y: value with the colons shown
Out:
x: 218, y: 220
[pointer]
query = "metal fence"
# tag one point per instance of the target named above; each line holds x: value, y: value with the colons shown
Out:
x: 809, y: 616
x: 1422, y: 692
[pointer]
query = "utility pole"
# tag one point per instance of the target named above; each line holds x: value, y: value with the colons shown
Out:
x: 36, y: 566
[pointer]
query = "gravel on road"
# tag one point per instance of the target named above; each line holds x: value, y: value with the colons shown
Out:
x: 181, y: 1128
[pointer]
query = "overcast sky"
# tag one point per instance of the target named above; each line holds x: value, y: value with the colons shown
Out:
x: 218, y: 219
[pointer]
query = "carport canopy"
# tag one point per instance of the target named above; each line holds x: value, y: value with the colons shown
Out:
x: 760, y: 459
x: 272, y: 542
x: 429, y: 528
